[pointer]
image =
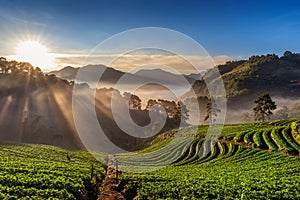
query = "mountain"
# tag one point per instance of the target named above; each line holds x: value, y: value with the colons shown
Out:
x: 244, y: 80
x: 166, y: 77
x: 66, y: 73
x: 111, y: 75
x: 69, y: 73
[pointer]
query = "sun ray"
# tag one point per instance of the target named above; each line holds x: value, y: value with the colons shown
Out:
x: 25, y: 107
x: 5, y: 107
x: 35, y: 53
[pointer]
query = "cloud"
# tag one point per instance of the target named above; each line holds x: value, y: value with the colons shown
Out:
x: 13, y: 19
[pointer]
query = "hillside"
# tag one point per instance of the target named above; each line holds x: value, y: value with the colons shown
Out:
x: 248, y: 161
x: 37, y: 108
x: 246, y: 79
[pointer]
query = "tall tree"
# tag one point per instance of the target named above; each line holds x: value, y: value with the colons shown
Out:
x: 3, y: 63
x: 263, y: 108
x: 211, y: 110
x: 181, y: 113
x: 170, y: 107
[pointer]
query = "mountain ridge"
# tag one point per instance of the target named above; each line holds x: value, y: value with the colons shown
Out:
x: 259, y: 74
x: 112, y: 75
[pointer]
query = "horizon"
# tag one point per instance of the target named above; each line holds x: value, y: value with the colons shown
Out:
x: 69, y: 31
x: 46, y: 70
x: 163, y: 69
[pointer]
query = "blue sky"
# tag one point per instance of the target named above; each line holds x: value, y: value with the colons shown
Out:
x: 232, y: 28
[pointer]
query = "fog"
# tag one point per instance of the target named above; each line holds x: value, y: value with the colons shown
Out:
x: 280, y: 102
x: 234, y: 115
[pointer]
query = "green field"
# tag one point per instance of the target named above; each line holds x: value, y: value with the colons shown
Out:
x: 248, y: 161
x: 251, y: 161
x: 43, y: 172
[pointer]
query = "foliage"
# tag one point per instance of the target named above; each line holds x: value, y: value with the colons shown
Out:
x: 134, y: 102
x: 294, y: 126
x: 181, y: 113
x: 177, y: 111
x: 259, y: 74
x: 229, y: 170
x: 263, y: 58
x: 211, y: 110
x: 264, y: 106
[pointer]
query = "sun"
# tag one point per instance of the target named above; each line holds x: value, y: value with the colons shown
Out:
x: 35, y: 53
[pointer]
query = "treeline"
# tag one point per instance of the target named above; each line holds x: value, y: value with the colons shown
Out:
x: 25, y: 70
x: 36, y: 108
x: 23, y: 76
x: 177, y: 111
x: 174, y: 110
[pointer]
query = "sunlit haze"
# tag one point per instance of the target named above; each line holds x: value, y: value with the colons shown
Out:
x: 35, y: 53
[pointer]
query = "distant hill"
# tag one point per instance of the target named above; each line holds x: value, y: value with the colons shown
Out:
x: 65, y: 73
x: 112, y: 75
x: 69, y: 73
x: 244, y: 80
x: 165, y: 76
x: 37, y: 108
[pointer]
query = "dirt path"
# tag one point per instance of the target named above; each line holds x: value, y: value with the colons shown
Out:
x: 110, y: 183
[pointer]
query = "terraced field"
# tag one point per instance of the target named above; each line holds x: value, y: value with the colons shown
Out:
x: 43, y: 172
x: 247, y: 161
x: 253, y: 161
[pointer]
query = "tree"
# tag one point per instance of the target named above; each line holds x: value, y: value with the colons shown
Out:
x: 264, y: 107
x: 176, y: 111
x: 294, y: 111
x: 287, y: 53
x: 170, y: 107
x: 37, y: 71
x: 151, y: 103
x: 3, y: 63
x: 181, y: 113
x: 211, y: 110
x: 135, y: 103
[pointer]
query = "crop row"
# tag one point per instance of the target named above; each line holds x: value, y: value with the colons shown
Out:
x: 181, y: 151
x: 276, y: 139
x: 43, y: 172
x: 246, y: 174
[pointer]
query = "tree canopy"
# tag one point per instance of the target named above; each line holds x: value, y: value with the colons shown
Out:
x: 263, y: 107
x: 211, y: 110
